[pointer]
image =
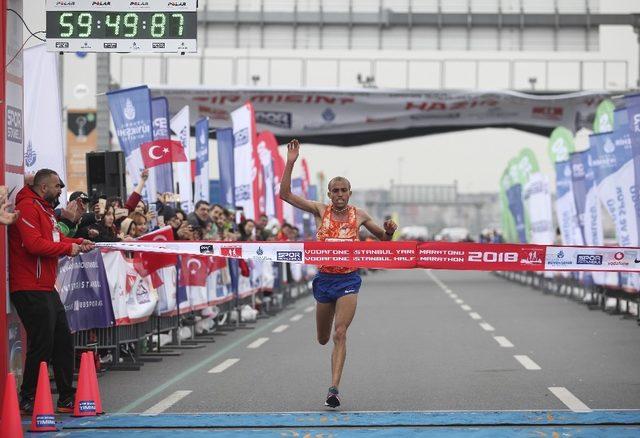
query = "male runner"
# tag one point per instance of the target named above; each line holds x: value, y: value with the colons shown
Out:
x: 334, y: 288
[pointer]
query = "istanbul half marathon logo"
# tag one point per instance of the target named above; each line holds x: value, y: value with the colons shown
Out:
x: 129, y: 110
x: 30, y: 155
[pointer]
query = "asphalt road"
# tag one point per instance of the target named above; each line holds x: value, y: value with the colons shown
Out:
x: 412, y: 347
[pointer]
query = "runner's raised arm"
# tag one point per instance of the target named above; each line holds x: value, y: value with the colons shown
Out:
x: 315, y: 208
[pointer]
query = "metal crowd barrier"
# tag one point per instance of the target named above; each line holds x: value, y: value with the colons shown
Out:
x: 130, y: 346
x: 613, y: 300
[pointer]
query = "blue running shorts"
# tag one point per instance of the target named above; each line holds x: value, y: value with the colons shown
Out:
x: 328, y: 288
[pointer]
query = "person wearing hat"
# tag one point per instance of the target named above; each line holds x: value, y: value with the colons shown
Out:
x: 73, y: 217
x: 35, y: 244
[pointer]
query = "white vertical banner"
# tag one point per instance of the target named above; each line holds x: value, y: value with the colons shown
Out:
x: 243, y: 134
x: 202, y: 160
x: 182, y: 170
x: 44, y: 146
x: 537, y: 199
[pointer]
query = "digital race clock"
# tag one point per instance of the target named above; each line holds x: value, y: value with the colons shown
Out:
x: 121, y: 26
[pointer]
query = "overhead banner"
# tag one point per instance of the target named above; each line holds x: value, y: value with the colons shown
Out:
x: 202, y: 161
x: 245, y: 170
x: 226, y: 166
x: 182, y: 170
x: 131, y: 113
x: 42, y: 115
x: 409, y: 254
x: 163, y: 174
x: 355, y: 117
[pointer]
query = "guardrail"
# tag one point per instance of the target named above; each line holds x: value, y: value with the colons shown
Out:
x: 613, y: 300
x: 131, y: 345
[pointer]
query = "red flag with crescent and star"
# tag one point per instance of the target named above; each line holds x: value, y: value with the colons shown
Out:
x: 163, y: 151
x: 194, y: 270
x: 148, y: 263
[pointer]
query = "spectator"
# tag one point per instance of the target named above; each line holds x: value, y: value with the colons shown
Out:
x: 262, y: 232
x: 247, y: 229
x: 35, y: 243
x: 105, y: 228
x: 199, y: 218
x: 140, y: 224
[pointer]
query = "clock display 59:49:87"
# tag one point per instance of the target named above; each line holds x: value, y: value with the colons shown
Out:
x: 142, y: 25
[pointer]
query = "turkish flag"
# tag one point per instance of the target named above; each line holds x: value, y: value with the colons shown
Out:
x: 194, y: 270
x: 148, y: 262
x: 216, y: 263
x: 163, y: 151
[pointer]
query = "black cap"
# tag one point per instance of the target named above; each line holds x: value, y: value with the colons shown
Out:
x: 82, y: 195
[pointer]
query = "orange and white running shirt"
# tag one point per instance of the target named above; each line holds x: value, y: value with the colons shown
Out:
x: 332, y: 230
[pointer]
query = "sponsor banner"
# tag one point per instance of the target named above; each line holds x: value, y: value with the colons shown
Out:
x: 182, y: 170
x: 338, y: 117
x: 84, y: 291
x: 160, y: 126
x: 566, y: 213
x: 537, y: 199
x: 245, y: 170
x: 268, y: 204
x: 409, y: 254
x: 131, y: 113
x: 516, y: 207
x: 42, y: 121
x: 224, y: 138
x: 202, y: 161
x: 592, y: 259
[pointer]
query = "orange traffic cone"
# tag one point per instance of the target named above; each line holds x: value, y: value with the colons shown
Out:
x: 11, y: 425
x: 95, y: 388
x: 84, y: 405
x: 43, y: 419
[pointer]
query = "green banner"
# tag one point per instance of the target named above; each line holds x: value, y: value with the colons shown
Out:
x: 561, y: 144
x: 603, y: 121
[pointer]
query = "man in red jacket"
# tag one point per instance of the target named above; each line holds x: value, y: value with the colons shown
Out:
x: 35, y: 243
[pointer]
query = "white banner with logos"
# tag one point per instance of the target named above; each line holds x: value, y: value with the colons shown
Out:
x: 340, y: 116
x: 537, y: 198
x: 44, y: 147
x: 182, y: 170
x: 244, y: 167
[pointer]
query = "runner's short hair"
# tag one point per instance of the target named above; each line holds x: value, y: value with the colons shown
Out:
x: 339, y: 179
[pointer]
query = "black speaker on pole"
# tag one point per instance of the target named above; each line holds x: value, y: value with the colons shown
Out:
x: 106, y: 174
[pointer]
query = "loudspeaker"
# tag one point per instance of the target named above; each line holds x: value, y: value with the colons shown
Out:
x: 106, y: 174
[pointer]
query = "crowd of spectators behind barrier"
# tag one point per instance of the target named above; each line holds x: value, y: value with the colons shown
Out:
x: 102, y: 219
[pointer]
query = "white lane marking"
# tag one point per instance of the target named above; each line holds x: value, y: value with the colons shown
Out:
x: 486, y: 326
x: 570, y: 400
x: 474, y: 315
x: 465, y: 307
x: 459, y: 301
x: 454, y: 296
x: 280, y: 328
x: 257, y: 343
x: 223, y: 366
x: 297, y: 317
x: 504, y: 342
x: 166, y: 403
x: 309, y: 309
x: 526, y: 362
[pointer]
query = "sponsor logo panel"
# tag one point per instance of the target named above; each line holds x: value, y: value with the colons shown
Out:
x: 589, y: 259
x: 231, y: 251
x: 289, y: 256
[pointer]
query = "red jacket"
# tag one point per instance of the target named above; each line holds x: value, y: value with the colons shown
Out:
x: 33, y: 253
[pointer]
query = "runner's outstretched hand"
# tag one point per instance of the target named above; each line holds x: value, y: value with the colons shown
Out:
x: 293, y: 151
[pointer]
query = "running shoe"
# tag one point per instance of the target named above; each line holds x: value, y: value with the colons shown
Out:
x: 26, y: 405
x: 333, y: 399
x: 65, y: 406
